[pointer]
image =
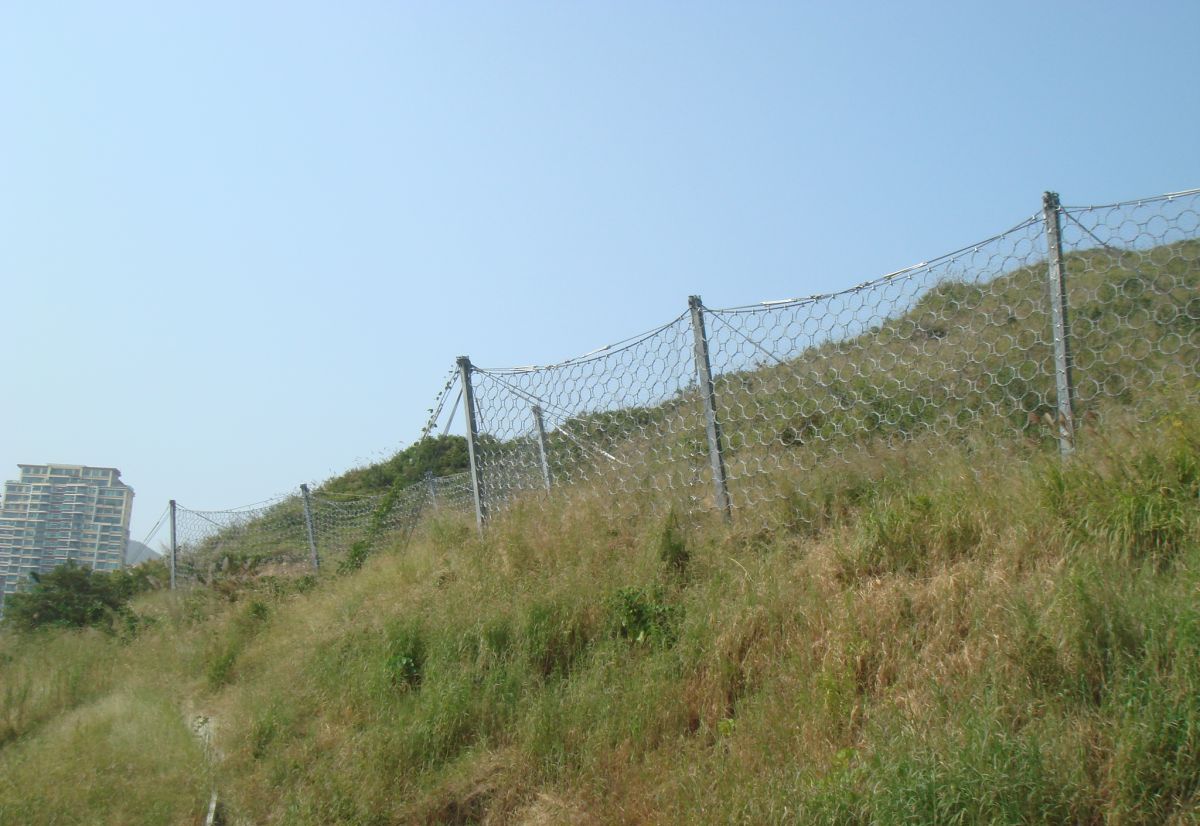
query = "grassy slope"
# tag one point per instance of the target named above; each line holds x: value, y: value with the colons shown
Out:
x: 1015, y: 642
x: 948, y: 627
x: 278, y: 534
x: 969, y: 355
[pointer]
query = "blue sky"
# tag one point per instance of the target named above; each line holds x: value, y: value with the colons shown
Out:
x: 242, y: 243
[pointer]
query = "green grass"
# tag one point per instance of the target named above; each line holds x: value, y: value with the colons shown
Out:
x: 956, y: 627
x: 965, y: 357
x: 962, y: 640
x: 125, y: 758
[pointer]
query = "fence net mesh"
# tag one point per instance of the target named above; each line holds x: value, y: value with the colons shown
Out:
x: 959, y: 347
x: 620, y: 420
x: 275, y: 532
x: 1133, y: 282
x: 209, y: 543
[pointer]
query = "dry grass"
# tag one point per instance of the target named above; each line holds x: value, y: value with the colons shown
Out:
x: 962, y: 638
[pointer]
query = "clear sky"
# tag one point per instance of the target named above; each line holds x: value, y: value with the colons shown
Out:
x: 241, y: 243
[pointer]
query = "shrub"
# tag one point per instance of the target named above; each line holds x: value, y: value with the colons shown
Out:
x: 220, y: 668
x: 71, y: 596
x: 440, y: 455
x: 355, y: 557
x: 405, y: 656
x: 644, y: 617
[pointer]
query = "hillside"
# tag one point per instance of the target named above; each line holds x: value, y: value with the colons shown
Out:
x: 1016, y: 642
x: 918, y: 614
x: 441, y: 455
x: 347, y: 511
x: 952, y: 350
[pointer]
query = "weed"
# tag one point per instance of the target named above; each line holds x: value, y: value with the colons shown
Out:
x: 672, y: 544
x: 220, y: 668
x: 355, y: 557
x: 906, y: 533
x: 1143, y: 503
x: 555, y: 636
x: 405, y: 655
x: 876, y: 659
x: 645, y: 617
x: 226, y: 650
x: 1156, y: 763
x: 1104, y: 634
x: 498, y: 637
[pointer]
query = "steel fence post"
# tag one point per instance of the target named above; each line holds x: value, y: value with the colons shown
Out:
x: 543, y: 454
x: 469, y: 413
x: 712, y: 425
x: 174, y: 545
x: 308, y: 524
x: 1060, y: 323
x: 431, y: 488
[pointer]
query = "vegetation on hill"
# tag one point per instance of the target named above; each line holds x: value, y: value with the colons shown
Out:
x: 72, y: 596
x: 973, y: 352
x: 956, y: 626
x: 277, y: 533
x: 441, y: 455
x: 967, y: 638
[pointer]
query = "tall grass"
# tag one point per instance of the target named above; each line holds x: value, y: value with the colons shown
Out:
x: 124, y: 758
x: 959, y: 637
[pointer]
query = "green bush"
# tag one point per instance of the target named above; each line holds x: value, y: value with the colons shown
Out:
x: 645, y: 617
x: 405, y: 656
x: 355, y: 557
x: 441, y: 456
x: 71, y: 596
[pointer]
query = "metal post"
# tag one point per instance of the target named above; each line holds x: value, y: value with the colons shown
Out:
x: 1063, y: 364
x: 431, y: 488
x: 543, y: 454
x: 464, y: 371
x: 174, y: 545
x: 708, y: 393
x: 308, y: 524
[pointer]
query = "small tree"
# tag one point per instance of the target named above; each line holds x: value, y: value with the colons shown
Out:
x: 71, y: 597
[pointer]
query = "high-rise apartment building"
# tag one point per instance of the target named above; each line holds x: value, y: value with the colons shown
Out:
x: 56, y: 513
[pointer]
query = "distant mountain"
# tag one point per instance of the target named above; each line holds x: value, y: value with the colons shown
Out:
x: 137, y: 553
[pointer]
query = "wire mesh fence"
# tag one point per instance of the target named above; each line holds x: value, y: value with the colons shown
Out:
x: 1071, y: 313
x: 619, y: 420
x: 209, y: 543
x: 941, y: 348
x: 1134, y: 295
x: 276, y: 532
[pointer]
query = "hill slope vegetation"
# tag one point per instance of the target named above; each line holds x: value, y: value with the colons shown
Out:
x: 932, y: 630
x: 974, y: 637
